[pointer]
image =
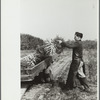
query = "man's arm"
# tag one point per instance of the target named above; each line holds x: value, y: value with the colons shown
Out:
x: 71, y: 45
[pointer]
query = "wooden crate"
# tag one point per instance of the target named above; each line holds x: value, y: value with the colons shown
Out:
x: 29, y: 74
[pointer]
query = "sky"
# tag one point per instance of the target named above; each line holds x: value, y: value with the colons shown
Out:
x: 48, y: 18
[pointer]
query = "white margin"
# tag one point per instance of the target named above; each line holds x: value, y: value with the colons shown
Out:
x: 97, y: 49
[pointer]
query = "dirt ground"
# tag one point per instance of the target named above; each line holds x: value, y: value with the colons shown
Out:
x: 45, y: 91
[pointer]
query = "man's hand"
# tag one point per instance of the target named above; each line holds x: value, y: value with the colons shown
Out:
x: 60, y: 41
x: 63, y: 44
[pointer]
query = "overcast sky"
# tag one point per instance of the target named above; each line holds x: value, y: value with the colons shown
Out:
x: 47, y: 18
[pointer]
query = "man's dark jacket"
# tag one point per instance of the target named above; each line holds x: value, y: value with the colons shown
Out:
x: 77, y: 56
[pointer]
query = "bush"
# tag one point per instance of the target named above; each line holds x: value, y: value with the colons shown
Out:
x: 90, y: 58
x: 90, y: 44
x: 29, y: 42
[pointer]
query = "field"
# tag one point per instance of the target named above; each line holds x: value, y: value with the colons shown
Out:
x: 46, y: 92
x: 90, y: 58
x: 26, y: 52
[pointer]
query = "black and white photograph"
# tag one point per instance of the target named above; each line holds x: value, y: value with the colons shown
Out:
x: 58, y: 50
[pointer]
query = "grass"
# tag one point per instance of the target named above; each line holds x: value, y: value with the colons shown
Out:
x: 26, y: 52
x: 90, y: 58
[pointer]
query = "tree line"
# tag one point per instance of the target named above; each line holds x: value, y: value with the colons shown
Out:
x: 29, y: 42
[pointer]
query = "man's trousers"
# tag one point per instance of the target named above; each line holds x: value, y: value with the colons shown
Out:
x: 76, y: 71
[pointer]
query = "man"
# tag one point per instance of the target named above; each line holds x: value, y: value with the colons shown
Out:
x: 76, y: 70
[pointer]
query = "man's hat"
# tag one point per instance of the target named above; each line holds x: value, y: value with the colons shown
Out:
x: 79, y: 34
